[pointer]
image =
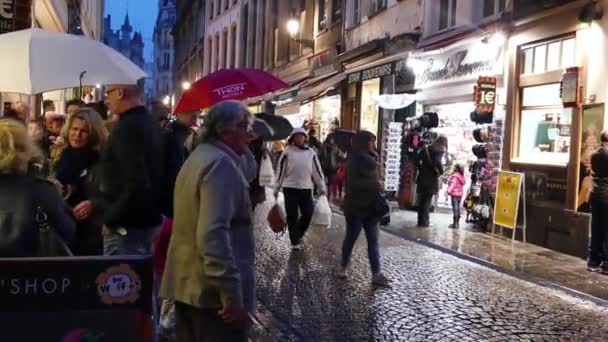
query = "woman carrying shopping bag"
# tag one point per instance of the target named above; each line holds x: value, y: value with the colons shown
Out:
x: 298, y: 168
x: 364, y: 205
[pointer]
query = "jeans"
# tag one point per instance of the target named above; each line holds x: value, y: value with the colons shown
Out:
x: 354, y: 224
x: 138, y: 241
x: 599, y: 225
x: 456, y: 200
x: 298, y: 200
x: 194, y: 324
x: 424, y: 208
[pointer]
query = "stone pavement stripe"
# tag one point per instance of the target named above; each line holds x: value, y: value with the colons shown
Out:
x: 517, y: 274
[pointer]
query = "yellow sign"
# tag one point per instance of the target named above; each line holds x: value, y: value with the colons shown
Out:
x: 508, y: 192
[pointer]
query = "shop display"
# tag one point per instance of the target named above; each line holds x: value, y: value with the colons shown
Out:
x: 392, y: 156
x: 326, y: 112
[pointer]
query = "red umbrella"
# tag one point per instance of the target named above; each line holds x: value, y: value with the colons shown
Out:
x: 227, y: 84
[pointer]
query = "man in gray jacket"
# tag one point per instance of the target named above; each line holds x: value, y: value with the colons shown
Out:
x: 209, y: 267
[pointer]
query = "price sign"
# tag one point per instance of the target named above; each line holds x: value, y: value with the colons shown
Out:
x: 485, y: 94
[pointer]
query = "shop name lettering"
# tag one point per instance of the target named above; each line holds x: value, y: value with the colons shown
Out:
x: 7, y: 15
x: 379, y: 71
x: 35, y: 286
x: 230, y: 90
x: 453, y: 68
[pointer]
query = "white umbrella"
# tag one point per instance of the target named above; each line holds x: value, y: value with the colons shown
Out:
x: 34, y: 61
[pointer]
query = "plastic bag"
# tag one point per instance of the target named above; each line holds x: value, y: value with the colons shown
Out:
x: 266, y: 172
x: 277, y: 218
x: 322, y: 213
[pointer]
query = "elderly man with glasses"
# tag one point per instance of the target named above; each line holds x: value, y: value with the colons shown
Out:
x: 209, y: 271
x: 131, y: 176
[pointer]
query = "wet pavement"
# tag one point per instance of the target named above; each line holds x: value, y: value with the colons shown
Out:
x: 434, y: 296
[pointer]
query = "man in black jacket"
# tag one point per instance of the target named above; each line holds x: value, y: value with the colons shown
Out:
x: 429, y: 170
x: 132, y: 175
x: 598, y: 256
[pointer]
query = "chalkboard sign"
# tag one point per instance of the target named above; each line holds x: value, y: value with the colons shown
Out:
x: 76, y: 299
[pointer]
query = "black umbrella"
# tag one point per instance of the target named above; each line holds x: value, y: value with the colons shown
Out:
x: 279, y: 124
x: 343, y: 138
x: 262, y: 129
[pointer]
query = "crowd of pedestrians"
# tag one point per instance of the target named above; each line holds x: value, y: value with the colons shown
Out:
x: 125, y: 185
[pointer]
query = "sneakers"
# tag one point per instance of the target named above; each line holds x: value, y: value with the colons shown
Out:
x: 594, y: 266
x: 380, y: 280
x: 297, y: 247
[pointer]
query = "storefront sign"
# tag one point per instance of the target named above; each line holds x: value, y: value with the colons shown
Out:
x: 485, y: 94
x: 378, y: 71
x: 569, y: 87
x: 7, y: 16
x: 286, y: 96
x: 508, y: 193
x: 324, y: 64
x: 456, y: 64
x: 109, y: 297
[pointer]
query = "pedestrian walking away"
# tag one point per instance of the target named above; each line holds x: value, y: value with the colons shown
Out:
x: 131, y: 176
x: 209, y: 268
x: 598, y: 252
x: 27, y: 202
x: 456, y: 184
x: 429, y: 170
x: 363, y: 190
x: 299, y: 167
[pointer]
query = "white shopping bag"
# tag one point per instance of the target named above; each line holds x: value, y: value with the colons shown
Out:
x: 322, y: 213
x: 266, y: 172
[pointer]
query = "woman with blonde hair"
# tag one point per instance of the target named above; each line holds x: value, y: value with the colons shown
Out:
x: 84, y: 135
x: 29, y: 205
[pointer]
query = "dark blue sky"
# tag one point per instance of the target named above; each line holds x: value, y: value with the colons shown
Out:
x: 142, y: 15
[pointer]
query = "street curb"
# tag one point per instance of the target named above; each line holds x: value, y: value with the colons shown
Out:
x: 520, y: 275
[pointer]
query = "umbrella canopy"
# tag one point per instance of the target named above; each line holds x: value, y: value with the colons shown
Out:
x: 281, y: 127
x: 34, y: 61
x: 227, y: 84
x: 262, y: 129
x: 343, y: 138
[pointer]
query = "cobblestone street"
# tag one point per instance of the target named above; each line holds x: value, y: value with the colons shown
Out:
x: 434, y: 296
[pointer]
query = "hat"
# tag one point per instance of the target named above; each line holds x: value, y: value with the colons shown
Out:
x: 54, y: 116
x: 298, y: 130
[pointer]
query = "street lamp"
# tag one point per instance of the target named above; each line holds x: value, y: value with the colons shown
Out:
x: 186, y: 85
x: 293, y: 28
x: 166, y: 100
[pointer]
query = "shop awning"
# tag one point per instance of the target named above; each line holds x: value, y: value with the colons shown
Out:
x: 314, y: 88
x: 381, y: 61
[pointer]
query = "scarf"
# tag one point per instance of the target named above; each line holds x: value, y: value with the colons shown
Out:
x: 73, y: 162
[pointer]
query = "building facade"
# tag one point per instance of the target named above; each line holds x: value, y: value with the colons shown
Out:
x: 130, y: 44
x: 223, y: 36
x: 188, y: 35
x: 164, y: 49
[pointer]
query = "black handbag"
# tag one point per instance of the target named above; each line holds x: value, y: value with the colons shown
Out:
x: 380, y: 207
x: 50, y: 244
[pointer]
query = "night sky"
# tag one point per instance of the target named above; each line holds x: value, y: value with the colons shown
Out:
x: 142, y: 15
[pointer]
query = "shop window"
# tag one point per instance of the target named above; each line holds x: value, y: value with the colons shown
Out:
x: 336, y: 11
x: 369, y: 107
x: 493, y: 7
x: 378, y: 5
x: 549, y: 56
x: 322, y: 15
x: 545, y: 126
x: 447, y: 14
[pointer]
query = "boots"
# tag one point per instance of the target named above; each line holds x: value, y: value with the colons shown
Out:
x: 456, y: 223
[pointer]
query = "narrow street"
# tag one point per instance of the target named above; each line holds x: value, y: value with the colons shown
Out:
x: 434, y: 296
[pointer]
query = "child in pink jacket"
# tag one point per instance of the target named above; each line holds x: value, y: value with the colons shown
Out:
x: 456, y: 184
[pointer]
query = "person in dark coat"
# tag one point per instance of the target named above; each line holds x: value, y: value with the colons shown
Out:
x: 430, y: 169
x: 256, y: 191
x: 24, y: 197
x: 598, y: 254
x: 363, y: 187
x: 131, y: 175
x: 85, y: 136
x: 329, y: 162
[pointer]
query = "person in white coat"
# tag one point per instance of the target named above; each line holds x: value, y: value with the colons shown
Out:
x: 299, y: 172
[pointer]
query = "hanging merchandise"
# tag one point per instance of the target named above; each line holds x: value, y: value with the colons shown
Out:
x: 392, y: 163
x: 395, y: 101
